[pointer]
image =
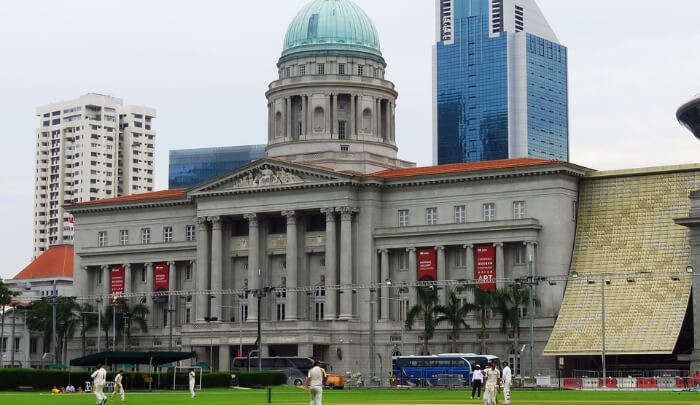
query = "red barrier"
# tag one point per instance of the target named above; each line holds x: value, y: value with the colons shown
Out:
x: 646, y: 383
x: 611, y: 382
x: 684, y: 382
x: 573, y: 383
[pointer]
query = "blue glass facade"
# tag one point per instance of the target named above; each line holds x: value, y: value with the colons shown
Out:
x: 473, y: 92
x: 189, y: 167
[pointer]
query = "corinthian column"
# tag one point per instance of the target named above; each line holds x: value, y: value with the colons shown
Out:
x: 217, y: 264
x: 346, y: 269
x: 202, y: 273
x: 351, y: 121
x: 288, y: 118
x: 149, y: 289
x: 331, y: 260
x: 304, y: 101
x: 334, y: 116
x: 500, y: 269
x: 253, y: 264
x: 172, y: 286
x: 127, y: 279
x: 292, y: 260
x: 105, y: 280
x: 441, y: 273
x: 385, y: 288
x: 387, y: 121
x: 412, y: 275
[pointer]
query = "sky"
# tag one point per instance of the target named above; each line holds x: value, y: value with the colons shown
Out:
x: 205, y: 66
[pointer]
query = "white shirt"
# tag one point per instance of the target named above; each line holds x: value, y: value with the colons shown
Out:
x: 99, y: 377
x: 507, y: 374
x: 316, y: 376
x: 118, y: 379
x: 491, y: 377
x: 477, y: 376
x: 191, y: 377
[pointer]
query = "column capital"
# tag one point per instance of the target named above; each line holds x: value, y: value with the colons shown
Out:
x: 193, y: 262
x: 216, y: 222
x: 171, y: 263
x: 291, y: 217
x: 383, y: 251
x: 346, y: 213
x: 104, y: 267
x: 530, y: 242
x: 148, y: 264
x: 84, y: 268
x: 498, y: 244
x: 411, y: 250
x: 127, y: 266
x: 252, y: 219
x: 469, y: 246
x: 329, y: 213
x: 439, y: 247
x: 202, y: 223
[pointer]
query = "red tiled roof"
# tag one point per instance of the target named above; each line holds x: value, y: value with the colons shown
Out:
x: 463, y: 167
x: 55, y: 262
x: 156, y: 195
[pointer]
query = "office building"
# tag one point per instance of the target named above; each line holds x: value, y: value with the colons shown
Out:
x: 500, y: 86
x: 188, y: 167
x: 86, y: 149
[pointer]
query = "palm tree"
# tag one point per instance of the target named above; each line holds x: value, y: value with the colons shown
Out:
x: 510, y: 300
x: 427, y: 305
x: 106, y: 323
x: 454, y: 314
x: 484, y: 301
x: 138, y: 315
x: 6, y: 296
x: 87, y: 322
x: 40, y: 319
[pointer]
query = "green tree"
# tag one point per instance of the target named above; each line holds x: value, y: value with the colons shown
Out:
x: 510, y: 301
x: 6, y: 296
x: 427, y: 308
x: 127, y: 318
x: 87, y: 322
x: 484, y: 301
x: 454, y: 313
x: 40, y: 319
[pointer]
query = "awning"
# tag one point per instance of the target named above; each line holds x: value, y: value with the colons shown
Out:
x: 626, y: 226
x: 154, y: 358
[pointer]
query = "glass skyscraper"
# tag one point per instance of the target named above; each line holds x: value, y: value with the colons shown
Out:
x: 189, y: 167
x: 500, y: 83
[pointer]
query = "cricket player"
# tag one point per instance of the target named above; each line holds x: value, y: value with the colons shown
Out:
x: 99, y: 377
x: 492, y: 377
x: 118, y: 387
x: 192, y: 379
x: 507, y: 379
x: 314, y: 383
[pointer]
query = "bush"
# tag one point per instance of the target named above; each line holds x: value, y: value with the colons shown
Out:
x: 216, y: 380
x: 11, y: 378
x: 261, y: 378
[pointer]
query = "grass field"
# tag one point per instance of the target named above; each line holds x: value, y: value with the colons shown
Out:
x: 287, y: 395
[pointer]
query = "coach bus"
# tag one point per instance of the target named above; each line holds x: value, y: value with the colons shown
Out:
x: 438, y: 370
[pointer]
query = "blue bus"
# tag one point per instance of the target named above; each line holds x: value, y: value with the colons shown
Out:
x: 451, y: 369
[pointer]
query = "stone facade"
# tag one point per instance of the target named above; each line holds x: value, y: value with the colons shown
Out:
x: 285, y: 225
x: 693, y: 222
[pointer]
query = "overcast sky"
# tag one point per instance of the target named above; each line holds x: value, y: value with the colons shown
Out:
x: 205, y: 66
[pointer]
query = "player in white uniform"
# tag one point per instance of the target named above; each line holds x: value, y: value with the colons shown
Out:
x: 118, y: 387
x: 192, y: 379
x: 314, y: 383
x: 492, y: 376
x: 99, y: 377
x: 507, y: 379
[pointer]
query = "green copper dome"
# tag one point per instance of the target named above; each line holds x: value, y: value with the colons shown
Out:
x: 326, y: 27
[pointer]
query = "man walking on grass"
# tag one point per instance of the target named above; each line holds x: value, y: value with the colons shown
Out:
x: 314, y: 383
x: 99, y: 377
x: 477, y: 381
x: 492, y: 377
x: 118, y: 387
x: 191, y: 376
x: 507, y: 379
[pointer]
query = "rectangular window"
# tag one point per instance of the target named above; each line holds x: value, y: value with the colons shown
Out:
x: 460, y: 214
x: 519, y: 210
x: 403, y: 261
x: 489, y: 212
x: 360, y: 70
x: 302, y: 70
x: 244, y: 312
x: 519, y: 255
x: 190, y: 234
x: 341, y: 69
x: 461, y: 257
x: 146, y: 236
x: 319, y: 313
x: 188, y: 272
x: 167, y: 234
x: 341, y: 129
x: 280, y: 312
x: 33, y: 345
x: 431, y: 216
x: 16, y: 345
x: 321, y: 69
x: 188, y: 315
x: 403, y: 218
x: 124, y: 237
x: 345, y: 148
x: 288, y: 72
x: 102, y: 239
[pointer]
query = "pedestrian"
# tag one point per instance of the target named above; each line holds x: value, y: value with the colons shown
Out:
x: 314, y: 383
x: 477, y: 381
x: 507, y: 379
x: 191, y: 377
x: 118, y: 387
x: 99, y: 377
x: 492, y: 379
x: 696, y: 379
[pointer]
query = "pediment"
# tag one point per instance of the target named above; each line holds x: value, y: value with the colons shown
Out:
x: 269, y: 174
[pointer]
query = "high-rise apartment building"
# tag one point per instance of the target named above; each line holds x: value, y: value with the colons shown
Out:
x: 188, y: 167
x: 500, y: 83
x: 90, y: 148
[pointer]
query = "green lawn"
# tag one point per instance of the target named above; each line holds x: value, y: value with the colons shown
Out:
x: 287, y: 395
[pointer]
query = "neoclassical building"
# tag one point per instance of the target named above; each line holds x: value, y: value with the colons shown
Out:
x: 330, y: 206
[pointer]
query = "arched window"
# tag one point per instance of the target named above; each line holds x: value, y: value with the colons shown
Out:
x: 279, y: 128
x: 319, y: 120
x: 367, y: 120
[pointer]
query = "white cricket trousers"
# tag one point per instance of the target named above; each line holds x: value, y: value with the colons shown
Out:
x: 99, y: 395
x: 316, y: 395
x: 506, y: 391
x: 191, y: 390
x: 119, y: 390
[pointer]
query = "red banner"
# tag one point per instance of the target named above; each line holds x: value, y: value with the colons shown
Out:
x: 427, y: 265
x: 486, y: 267
x: 116, y: 283
x: 161, y: 273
